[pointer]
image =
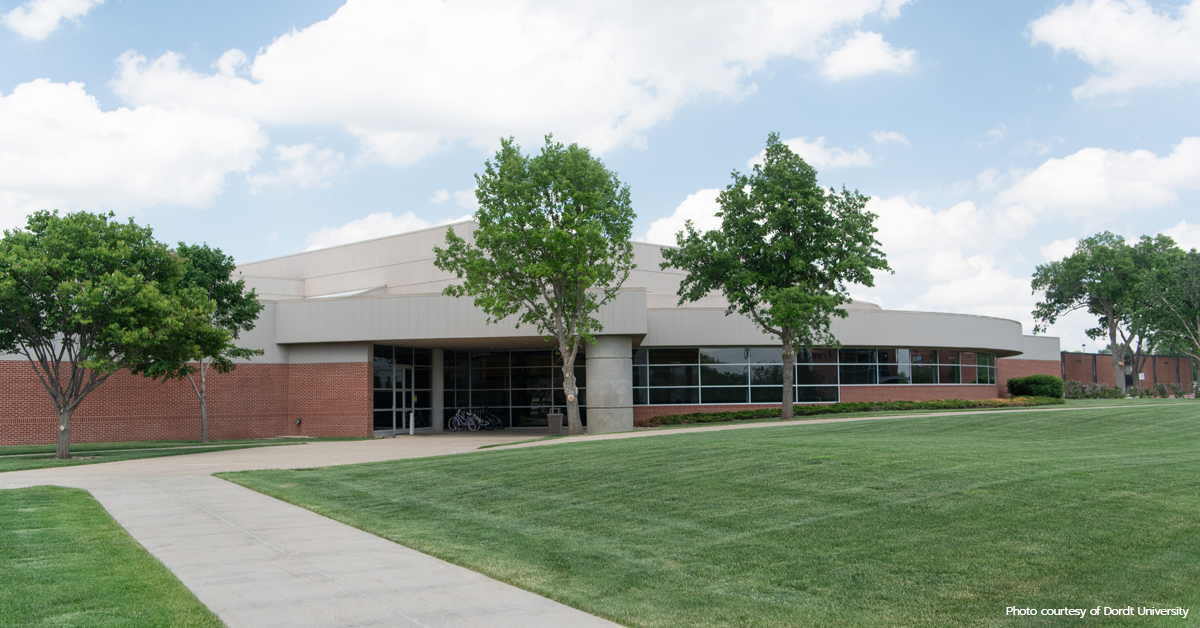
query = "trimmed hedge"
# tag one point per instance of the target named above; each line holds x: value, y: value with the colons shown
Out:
x: 1035, y: 386
x: 843, y: 408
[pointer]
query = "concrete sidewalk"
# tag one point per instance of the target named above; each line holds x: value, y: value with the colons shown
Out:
x: 258, y: 562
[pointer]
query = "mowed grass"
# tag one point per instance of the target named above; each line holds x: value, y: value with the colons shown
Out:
x: 65, y: 562
x: 938, y: 521
x: 25, y: 457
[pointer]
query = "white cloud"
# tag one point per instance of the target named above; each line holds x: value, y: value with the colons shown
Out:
x: 1128, y: 43
x: 867, y: 53
x: 700, y: 207
x: 992, y: 136
x: 818, y: 156
x: 36, y: 19
x: 439, y: 197
x: 373, y: 226
x: 882, y: 137
x: 1058, y: 249
x: 58, y: 149
x: 410, y: 78
x: 1186, y: 235
x: 988, y: 180
x: 466, y: 199
x: 305, y: 167
x: 1097, y: 183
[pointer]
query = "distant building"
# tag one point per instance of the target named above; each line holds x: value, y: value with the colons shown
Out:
x: 1096, y: 368
x: 358, y: 340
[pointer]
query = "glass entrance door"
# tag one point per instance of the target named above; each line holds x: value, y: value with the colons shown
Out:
x: 404, y: 398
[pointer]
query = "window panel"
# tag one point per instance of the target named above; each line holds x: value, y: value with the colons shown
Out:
x: 857, y: 356
x: 580, y: 375
x: 674, y: 375
x: 674, y: 356
x: 640, y: 356
x: 560, y: 398
x: 422, y: 378
x: 423, y: 357
x: 488, y: 398
x: 723, y: 356
x: 462, y: 378
x: 817, y: 374
x: 766, y: 375
x: 766, y: 394
x: 923, y: 356
x: 857, y: 374
x: 924, y: 374
x: 489, y: 359
x: 723, y: 375
x: 383, y: 377
x: 404, y: 355
x: 383, y: 399
x: 949, y: 373
x: 662, y: 396
x: 532, y: 358
x: 489, y: 379
x: 723, y: 395
x: 532, y: 377
x: 889, y: 356
x: 816, y: 394
x: 895, y: 374
x: 383, y: 354
x: 533, y: 398
x: 824, y: 356
x: 448, y: 400
x: 967, y: 357
x: 967, y: 374
x: 383, y: 420
x: 640, y: 375
x: 949, y: 357
x: 641, y: 396
x: 765, y: 355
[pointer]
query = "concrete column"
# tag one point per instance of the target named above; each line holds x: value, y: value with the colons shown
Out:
x: 610, y: 385
x: 439, y: 387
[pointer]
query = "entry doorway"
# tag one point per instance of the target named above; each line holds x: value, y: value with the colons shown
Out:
x: 394, y: 409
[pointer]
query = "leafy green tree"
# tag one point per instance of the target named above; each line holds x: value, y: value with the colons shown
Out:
x: 85, y: 296
x: 1174, y: 290
x: 551, y: 248
x: 212, y: 345
x: 784, y: 255
x: 1105, y: 277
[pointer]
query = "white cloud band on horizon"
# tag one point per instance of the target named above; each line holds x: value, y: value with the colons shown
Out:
x: 377, y: 225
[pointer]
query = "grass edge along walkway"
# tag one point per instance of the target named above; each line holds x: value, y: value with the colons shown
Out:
x: 64, y: 561
x: 91, y: 453
x: 923, y: 522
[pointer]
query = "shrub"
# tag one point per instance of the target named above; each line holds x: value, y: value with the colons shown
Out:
x: 842, y: 408
x: 1036, y: 386
x: 1177, y: 391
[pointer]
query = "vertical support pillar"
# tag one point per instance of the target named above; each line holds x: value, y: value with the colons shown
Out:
x: 610, y: 385
x: 437, y: 420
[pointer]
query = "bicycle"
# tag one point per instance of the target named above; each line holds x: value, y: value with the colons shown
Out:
x: 464, y: 420
x: 490, y: 421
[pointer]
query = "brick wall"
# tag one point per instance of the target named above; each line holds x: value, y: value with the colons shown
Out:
x: 1158, y: 370
x: 1008, y: 368
x: 849, y: 393
x: 254, y: 401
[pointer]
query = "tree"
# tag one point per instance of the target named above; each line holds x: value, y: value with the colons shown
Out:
x: 552, y: 247
x: 85, y: 296
x: 784, y: 255
x: 234, y: 311
x: 1173, y: 285
x: 1105, y: 277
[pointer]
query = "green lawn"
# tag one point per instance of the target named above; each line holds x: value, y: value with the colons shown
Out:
x: 939, y: 521
x: 65, y: 562
x: 23, y: 457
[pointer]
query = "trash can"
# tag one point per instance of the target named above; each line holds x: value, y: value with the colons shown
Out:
x: 556, y: 421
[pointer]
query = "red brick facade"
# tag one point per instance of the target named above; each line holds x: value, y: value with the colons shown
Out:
x: 1010, y: 368
x: 1088, y: 368
x: 254, y: 401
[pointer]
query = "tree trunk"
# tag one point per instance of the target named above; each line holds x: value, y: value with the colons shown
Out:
x: 203, y: 406
x: 789, y: 371
x: 1118, y: 355
x: 63, y: 452
x: 574, y: 424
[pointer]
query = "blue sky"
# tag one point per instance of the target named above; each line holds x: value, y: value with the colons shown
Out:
x: 989, y: 135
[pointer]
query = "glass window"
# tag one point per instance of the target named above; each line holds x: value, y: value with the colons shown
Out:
x: 889, y: 356
x: 817, y: 374
x: 723, y: 356
x: 640, y: 396
x: 674, y: 375
x: 815, y: 394
x: 661, y: 396
x: 532, y: 377
x: 640, y: 356
x: 489, y: 379
x: 448, y: 399
x: 404, y: 355
x: 383, y: 354
x: 723, y: 375
x: 462, y: 378
x: 383, y: 420
x: 765, y: 355
x: 966, y: 357
x: 923, y: 356
x: 423, y: 357
x: 857, y: 374
x: 533, y: 398
x: 924, y: 374
x: 489, y: 359
x: 948, y: 357
x: 674, y: 356
x: 981, y: 359
x: 423, y: 378
x: 383, y: 399
x: 824, y: 356
x: 767, y: 375
x: 383, y: 376
x: 966, y: 374
x: 560, y: 398
x: 723, y: 395
x: 895, y: 374
x: 532, y: 358
x: 639, y: 376
x: 488, y: 398
x: 766, y: 394
x: 949, y: 373
x: 857, y: 356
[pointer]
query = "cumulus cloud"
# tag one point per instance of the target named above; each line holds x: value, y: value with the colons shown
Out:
x: 466, y: 199
x: 818, y: 155
x: 375, y: 225
x: 988, y: 180
x: 36, y: 19
x: 410, y: 78
x: 882, y: 137
x: 304, y: 166
x: 1058, y: 249
x: 1099, y: 183
x: 867, y: 53
x: 1186, y: 235
x: 700, y: 207
x: 439, y: 197
x: 1129, y: 43
x: 58, y: 149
